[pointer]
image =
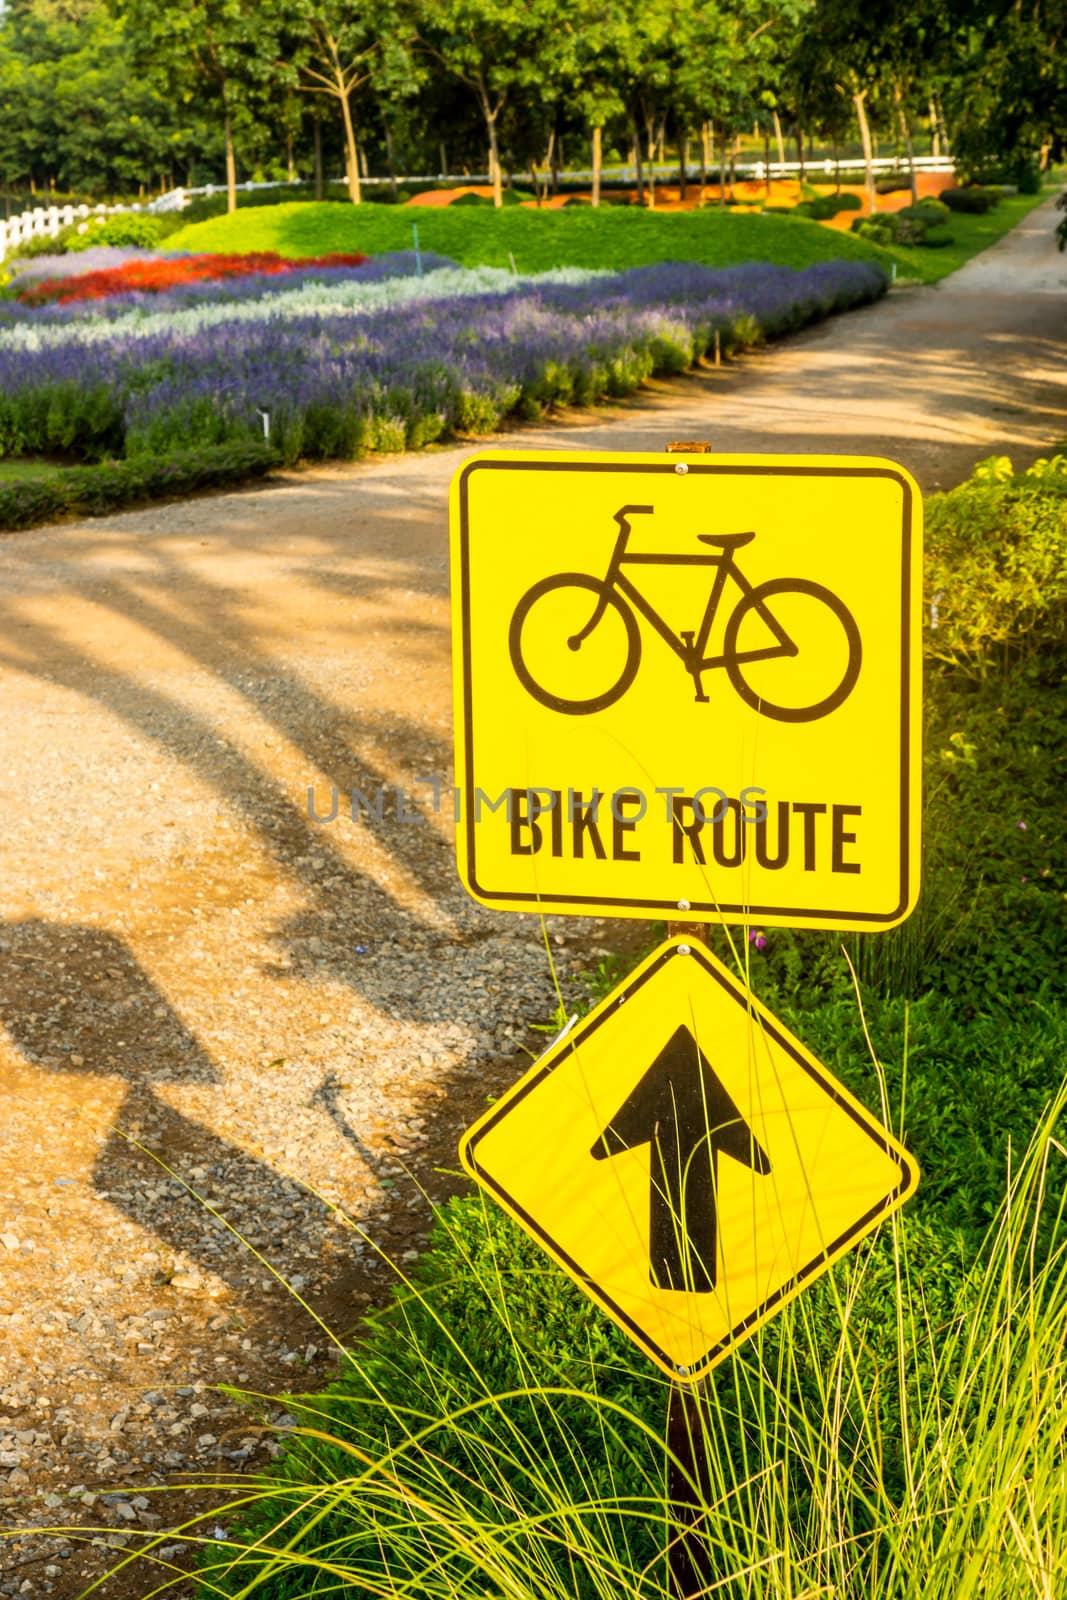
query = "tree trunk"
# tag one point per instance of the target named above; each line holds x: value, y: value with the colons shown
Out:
x: 650, y: 134
x: 494, y: 161
x: 597, y: 162
x: 767, y: 163
x: 837, y: 164
x: 231, y: 163
x: 316, y: 134
x: 390, y: 158
x: 355, y: 193
x: 290, y: 164
x: 705, y: 160
x: 858, y: 99
x: 943, y: 125
x: 935, y: 132
x: 639, y: 167
x: 779, y: 138
x: 722, y: 170
x: 905, y: 128
x: 735, y: 145
x: 800, y: 154
x: 444, y: 160
x: 683, y: 167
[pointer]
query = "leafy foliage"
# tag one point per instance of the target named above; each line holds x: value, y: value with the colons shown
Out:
x: 112, y: 485
x: 996, y: 572
x: 973, y: 199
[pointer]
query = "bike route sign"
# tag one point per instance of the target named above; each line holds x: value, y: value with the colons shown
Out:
x: 687, y: 1161
x: 688, y: 686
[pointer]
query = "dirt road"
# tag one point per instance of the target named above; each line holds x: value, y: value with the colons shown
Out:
x: 189, y: 960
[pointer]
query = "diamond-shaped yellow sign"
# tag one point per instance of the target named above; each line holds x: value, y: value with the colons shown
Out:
x: 687, y: 1161
x: 688, y: 686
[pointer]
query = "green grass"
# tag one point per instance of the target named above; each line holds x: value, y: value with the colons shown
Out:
x: 580, y: 237
x: 970, y: 235
x: 14, y: 469
x: 538, y: 240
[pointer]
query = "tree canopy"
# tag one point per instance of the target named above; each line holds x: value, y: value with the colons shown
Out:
x: 113, y: 96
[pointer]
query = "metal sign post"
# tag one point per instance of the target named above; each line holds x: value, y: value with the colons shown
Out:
x: 679, y: 1153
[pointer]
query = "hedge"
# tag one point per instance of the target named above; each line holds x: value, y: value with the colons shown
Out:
x: 112, y: 485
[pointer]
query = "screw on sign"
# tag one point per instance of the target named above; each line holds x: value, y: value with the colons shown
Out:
x: 667, y: 686
x: 682, y: 1156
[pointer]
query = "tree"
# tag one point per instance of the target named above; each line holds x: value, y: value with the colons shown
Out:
x: 495, y: 49
x: 340, y: 49
x: 226, y: 49
x: 1008, y: 93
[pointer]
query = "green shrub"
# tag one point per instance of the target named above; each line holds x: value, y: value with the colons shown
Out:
x: 996, y: 566
x: 127, y: 231
x: 849, y: 202
x: 470, y: 197
x: 1028, y: 178
x: 892, y: 182
x: 41, y: 245
x: 878, y: 229
x: 94, y: 491
x: 911, y: 225
x: 578, y: 200
x: 974, y: 200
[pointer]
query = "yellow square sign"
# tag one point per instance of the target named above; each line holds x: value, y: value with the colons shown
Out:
x: 687, y: 1161
x: 688, y: 686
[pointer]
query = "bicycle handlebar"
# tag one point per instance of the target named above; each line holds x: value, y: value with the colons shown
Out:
x: 624, y: 513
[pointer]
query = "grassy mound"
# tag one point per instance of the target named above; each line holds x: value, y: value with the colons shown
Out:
x: 534, y: 240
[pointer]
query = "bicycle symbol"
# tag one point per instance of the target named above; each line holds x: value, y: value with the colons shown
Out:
x: 547, y: 628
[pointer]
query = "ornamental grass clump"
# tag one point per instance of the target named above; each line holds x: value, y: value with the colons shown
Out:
x: 899, y: 1429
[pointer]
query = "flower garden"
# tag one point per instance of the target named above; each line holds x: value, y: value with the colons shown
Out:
x: 133, y: 357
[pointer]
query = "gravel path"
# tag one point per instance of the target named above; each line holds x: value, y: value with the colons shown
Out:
x: 296, y: 1018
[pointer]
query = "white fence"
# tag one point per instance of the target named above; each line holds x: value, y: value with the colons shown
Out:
x: 47, y: 221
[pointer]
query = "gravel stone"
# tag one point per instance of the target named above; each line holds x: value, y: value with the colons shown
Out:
x: 236, y: 1043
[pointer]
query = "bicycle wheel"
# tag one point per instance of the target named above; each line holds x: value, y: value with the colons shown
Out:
x: 797, y: 661
x: 561, y: 664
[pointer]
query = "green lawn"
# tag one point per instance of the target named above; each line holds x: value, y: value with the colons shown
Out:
x: 538, y: 240
x: 970, y: 235
x: 14, y: 469
x: 580, y: 237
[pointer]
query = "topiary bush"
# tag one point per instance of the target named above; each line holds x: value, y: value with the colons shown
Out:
x: 929, y: 212
x: 912, y: 225
x: 973, y: 199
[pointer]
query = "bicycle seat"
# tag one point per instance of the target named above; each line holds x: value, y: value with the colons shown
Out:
x: 727, y: 541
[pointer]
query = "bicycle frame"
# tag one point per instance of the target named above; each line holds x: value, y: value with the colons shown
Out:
x: 689, y: 645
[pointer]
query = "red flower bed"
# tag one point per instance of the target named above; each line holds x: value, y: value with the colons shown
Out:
x: 156, y: 276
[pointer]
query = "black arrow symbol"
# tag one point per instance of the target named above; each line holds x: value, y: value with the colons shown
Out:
x: 683, y: 1111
